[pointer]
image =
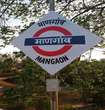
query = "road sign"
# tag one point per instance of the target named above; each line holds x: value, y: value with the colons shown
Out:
x: 54, y: 42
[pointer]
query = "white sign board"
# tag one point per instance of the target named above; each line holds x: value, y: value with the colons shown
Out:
x: 54, y: 42
x: 52, y: 85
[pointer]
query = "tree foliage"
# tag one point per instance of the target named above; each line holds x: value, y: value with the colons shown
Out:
x: 29, y: 79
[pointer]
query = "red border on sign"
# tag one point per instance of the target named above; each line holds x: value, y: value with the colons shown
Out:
x: 64, y: 49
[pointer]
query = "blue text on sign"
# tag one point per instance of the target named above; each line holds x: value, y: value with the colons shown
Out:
x: 57, y: 40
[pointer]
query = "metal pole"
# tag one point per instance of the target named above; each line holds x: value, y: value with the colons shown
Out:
x: 52, y: 102
x: 51, y: 5
x: 57, y: 102
x: 53, y: 92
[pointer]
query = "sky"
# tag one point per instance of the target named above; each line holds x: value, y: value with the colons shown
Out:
x: 97, y: 53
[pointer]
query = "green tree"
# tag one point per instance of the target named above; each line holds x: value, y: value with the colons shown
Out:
x: 87, y: 78
x: 29, y: 79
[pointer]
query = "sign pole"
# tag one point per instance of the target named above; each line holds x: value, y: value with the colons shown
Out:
x: 51, y: 5
x: 54, y: 95
x: 53, y: 101
x: 52, y: 86
x: 57, y: 102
